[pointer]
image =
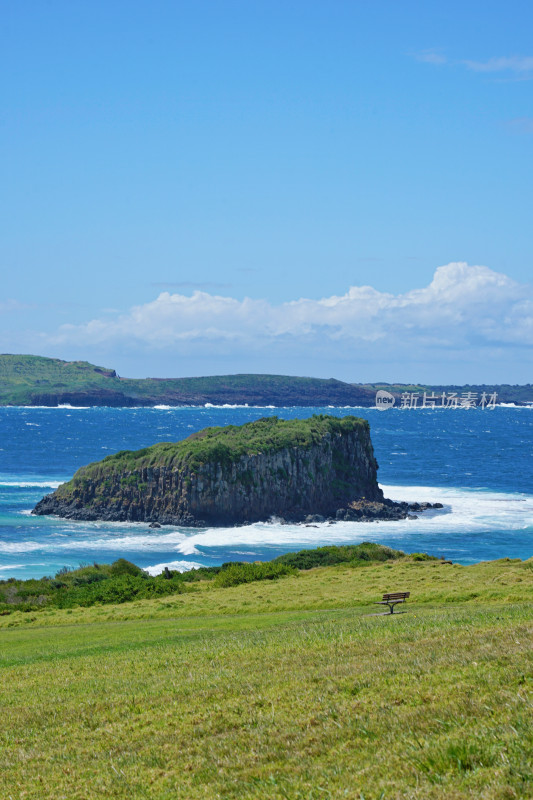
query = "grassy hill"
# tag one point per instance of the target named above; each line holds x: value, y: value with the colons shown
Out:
x: 278, y: 689
x: 35, y: 380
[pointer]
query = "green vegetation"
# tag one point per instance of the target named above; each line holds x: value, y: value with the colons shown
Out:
x: 34, y: 380
x: 221, y: 445
x: 123, y: 581
x: 278, y: 689
x: 235, y: 574
x: 119, y: 582
x: 350, y: 553
x: 23, y: 376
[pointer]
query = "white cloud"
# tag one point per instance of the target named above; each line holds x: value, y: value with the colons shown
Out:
x: 463, y: 306
x: 431, y: 57
x: 520, y: 64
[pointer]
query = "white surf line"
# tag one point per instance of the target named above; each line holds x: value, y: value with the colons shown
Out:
x: 180, y: 566
x: 465, y: 512
x: 30, y: 484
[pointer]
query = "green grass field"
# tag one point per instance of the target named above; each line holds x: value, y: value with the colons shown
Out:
x: 284, y: 689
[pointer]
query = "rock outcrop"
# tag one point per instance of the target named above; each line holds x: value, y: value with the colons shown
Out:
x: 236, y: 474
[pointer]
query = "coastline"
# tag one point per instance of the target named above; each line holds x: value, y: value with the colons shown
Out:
x: 473, y: 526
x: 468, y: 462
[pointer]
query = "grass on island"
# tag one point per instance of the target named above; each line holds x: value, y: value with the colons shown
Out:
x: 278, y: 689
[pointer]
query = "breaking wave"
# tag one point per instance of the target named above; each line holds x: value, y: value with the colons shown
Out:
x: 180, y: 566
x: 465, y: 512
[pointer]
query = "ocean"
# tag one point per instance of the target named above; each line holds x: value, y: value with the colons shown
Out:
x: 477, y: 462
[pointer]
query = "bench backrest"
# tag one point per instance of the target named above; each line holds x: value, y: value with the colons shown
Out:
x: 396, y: 596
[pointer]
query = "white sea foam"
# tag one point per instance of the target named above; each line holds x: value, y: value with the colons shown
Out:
x: 465, y: 512
x: 116, y: 540
x: 30, y: 484
x: 188, y: 547
x: 529, y: 404
x: 225, y: 405
x: 22, y: 546
x: 236, y: 405
x: 40, y: 408
x: 180, y: 566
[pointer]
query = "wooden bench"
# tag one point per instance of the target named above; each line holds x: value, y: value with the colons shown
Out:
x: 393, y: 598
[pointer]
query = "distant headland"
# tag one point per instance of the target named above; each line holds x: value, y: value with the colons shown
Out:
x: 27, y: 380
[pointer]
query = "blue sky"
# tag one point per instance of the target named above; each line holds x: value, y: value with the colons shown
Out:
x: 193, y: 187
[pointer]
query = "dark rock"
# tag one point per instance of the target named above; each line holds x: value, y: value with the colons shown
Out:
x: 332, y: 473
x: 329, y: 467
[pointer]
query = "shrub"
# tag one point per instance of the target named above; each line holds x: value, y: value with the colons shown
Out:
x: 119, y: 589
x: 332, y: 554
x: 123, y: 567
x: 235, y: 574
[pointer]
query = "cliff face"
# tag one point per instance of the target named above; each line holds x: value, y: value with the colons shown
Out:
x: 225, y: 476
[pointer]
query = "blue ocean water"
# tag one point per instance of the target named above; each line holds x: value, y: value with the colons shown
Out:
x: 478, y: 463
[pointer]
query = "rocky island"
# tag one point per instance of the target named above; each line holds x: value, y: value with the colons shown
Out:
x: 299, y: 470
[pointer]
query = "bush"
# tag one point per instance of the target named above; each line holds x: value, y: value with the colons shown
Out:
x: 332, y: 554
x: 90, y: 577
x: 119, y: 589
x: 123, y: 567
x: 234, y: 574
